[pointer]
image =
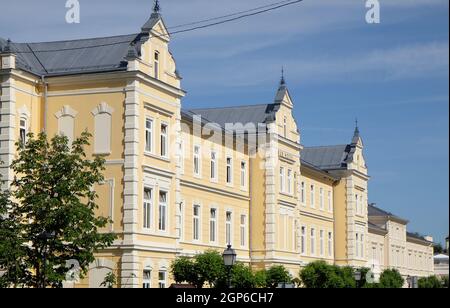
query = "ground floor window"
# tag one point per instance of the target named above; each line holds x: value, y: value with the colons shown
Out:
x: 162, y: 277
x: 147, y: 279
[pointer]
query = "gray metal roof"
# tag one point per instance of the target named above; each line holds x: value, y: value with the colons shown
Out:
x: 253, y: 114
x: 417, y: 236
x: 377, y: 212
x: 75, y: 56
x: 376, y: 227
x: 326, y: 157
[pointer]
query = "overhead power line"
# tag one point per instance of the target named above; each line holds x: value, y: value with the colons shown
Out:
x: 234, y: 17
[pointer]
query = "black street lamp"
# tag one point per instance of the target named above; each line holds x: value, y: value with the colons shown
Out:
x: 45, y: 236
x: 357, y: 275
x: 229, y: 259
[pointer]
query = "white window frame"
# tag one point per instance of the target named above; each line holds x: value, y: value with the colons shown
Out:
x: 290, y: 181
x: 282, y: 180
x: 163, y: 221
x: 196, y: 223
x: 312, y: 247
x: 213, y: 229
x: 357, y: 245
x: 243, y: 175
x: 181, y: 156
x: 164, y: 146
x: 213, y: 167
x: 330, y: 201
x: 321, y: 243
x: 285, y: 129
x: 303, y: 240
x: 197, y: 157
x: 243, y: 230
x: 147, y: 280
x: 24, y: 128
x: 312, y: 196
x: 148, y: 209
x: 303, y: 193
x: 162, y: 283
x: 321, y: 199
x: 149, y: 135
x: 181, y: 208
x: 357, y: 203
x: 330, y: 244
x: 156, y: 59
x: 229, y: 228
x: 229, y: 170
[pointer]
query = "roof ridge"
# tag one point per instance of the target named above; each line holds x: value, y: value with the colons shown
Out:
x: 229, y: 107
x: 325, y: 146
x: 79, y: 40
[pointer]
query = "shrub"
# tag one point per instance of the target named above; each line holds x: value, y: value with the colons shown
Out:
x: 242, y: 277
x: 322, y: 275
x: 431, y: 282
x: 277, y: 274
x: 391, y: 279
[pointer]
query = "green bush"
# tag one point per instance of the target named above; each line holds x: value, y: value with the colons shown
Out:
x: 391, y: 279
x: 183, y: 270
x: 324, y: 276
x: 277, y: 274
x: 431, y: 282
x: 242, y: 277
x: 261, y: 279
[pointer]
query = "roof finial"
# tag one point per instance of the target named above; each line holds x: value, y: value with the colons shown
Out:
x: 283, y: 81
x: 356, y: 134
x: 156, y: 7
x: 8, y: 45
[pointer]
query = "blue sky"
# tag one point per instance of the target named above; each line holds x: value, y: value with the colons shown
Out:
x: 393, y: 76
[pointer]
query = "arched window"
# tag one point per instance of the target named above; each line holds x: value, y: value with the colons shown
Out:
x: 66, y: 122
x: 102, y: 131
x: 156, y: 64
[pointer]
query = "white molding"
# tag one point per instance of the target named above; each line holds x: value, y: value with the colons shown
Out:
x: 102, y: 108
x: 66, y: 111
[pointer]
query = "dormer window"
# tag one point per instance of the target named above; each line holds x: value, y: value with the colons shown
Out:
x: 156, y: 64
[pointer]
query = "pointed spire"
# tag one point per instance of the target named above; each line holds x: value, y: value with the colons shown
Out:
x: 156, y: 7
x: 282, y: 81
x: 356, y: 134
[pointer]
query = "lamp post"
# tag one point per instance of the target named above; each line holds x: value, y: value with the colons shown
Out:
x: 229, y: 259
x: 45, y: 236
x: 357, y: 275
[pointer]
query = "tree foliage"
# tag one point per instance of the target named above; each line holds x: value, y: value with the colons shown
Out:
x: 391, y: 279
x: 242, y: 277
x: 277, y: 274
x: 52, y: 218
x: 431, y: 282
x: 325, y: 276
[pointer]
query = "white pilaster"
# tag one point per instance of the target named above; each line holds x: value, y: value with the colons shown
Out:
x: 7, y: 129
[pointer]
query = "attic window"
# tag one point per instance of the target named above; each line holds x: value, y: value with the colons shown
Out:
x: 156, y: 64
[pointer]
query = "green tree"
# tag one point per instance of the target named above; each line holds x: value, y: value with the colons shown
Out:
x: 53, y: 213
x: 261, y: 279
x: 277, y: 274
x: 242, y: 277
x: 391, y: 279
x: 209, y: 268
x: 325, y: 276
x: 183, y: 270
x: 110, y: 281
x: 438, y: 248
x: 431, y: 282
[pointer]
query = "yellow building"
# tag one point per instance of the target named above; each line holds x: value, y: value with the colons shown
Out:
x: 179, y: 181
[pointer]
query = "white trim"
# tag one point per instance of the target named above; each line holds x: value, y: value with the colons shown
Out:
x: 66, y: 111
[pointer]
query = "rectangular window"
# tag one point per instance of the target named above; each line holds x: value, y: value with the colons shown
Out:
x: 148, y: 135
x: 330, y: 244
x: 361, y: 205
x: 147, y: 279
x: 289, y: 181
x: 357, y: 245
x: 285, y: 127
x: 229, y: 170
x: 282, y: 188
x: 213, y: 225
x: 23, y: 131
x: 181, y: 220
x: 164, y: 140
x: 357, y: 204
x: 362, y: 246
x: 148, y: 208
x: 197, y: 170
x: 243, y: 174
x: 181, y: 156
x: 213, y: 166
x: 162, y: 211
x: 303, y: 240
x: 228, y: 228
x: 321, y: 198
x: 330, y: 202
x: 156, y: 65
x: 313, y: 241
x: 162, y: 279
x: 322, y: 243
x: 243, y: 230
x: 312, y: 196
x: 302, y: 193
x: 196, y: 223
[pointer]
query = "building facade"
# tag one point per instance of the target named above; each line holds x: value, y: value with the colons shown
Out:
x: 179, y: 182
